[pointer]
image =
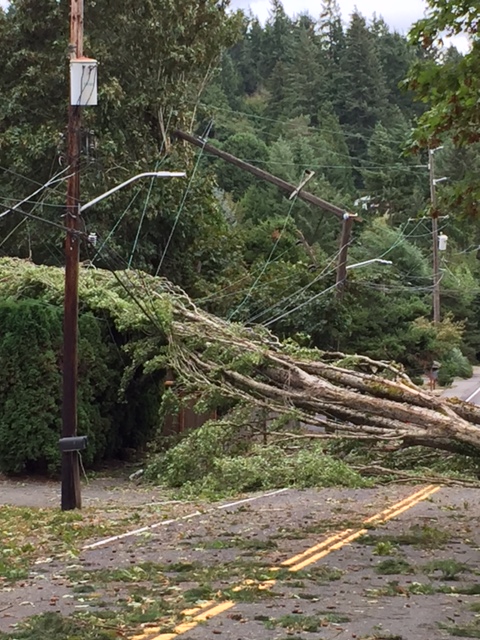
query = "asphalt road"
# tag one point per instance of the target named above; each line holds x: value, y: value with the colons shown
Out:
x: 468, y: 390
x: 390, y: 562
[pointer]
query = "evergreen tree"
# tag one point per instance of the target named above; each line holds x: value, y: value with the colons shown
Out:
x: 277, y: 37
x: 396, y: 184
x: 297, y: 85
x: 249, y: 55
x: 363, y: 93
x: 331, y: 31
x: 396, y: 57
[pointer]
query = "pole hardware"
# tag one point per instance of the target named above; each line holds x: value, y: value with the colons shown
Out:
x: 73, y: 443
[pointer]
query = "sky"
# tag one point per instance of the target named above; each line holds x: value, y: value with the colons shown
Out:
x: 399, y: 15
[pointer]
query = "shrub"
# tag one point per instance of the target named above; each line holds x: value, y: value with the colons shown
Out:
x: 454, y: 364
x: 31, y: 389
x: 210, y: 460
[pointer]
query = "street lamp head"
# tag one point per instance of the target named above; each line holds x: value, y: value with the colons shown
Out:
x: 168, y: 174
x: 366, y: 262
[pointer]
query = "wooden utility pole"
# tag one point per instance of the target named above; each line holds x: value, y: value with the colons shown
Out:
x: 345, y: 239
x: 347, y: 218
x: 436, y: 262
x: 263, y: 175
x: 71, y: 498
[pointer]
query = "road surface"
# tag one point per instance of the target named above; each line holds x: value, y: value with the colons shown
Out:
x: 468, y: 390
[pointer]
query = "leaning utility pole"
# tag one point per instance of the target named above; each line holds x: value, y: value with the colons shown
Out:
x: 436, y: 262
x: 293, y: 191
x: 71, y: 498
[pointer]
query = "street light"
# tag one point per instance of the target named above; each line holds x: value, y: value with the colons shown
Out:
x: 147, y: 174
x: 70, y: 444
x: 362, y: 264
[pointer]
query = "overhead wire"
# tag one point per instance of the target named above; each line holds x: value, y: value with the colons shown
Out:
x: 265, y: 266
x: 219, y: 295
x: 310, y: 165
x: 324, y: 274
x: 300, y: 306
x: 287, y: 123
x: 118, y: 222
x: 184, y: 198
x: 267, y: 322
x: 147, y: 199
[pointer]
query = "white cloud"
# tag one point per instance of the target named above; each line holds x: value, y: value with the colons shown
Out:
x: 399, y: 15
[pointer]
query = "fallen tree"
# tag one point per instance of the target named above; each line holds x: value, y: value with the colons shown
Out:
x: 349, y: 395
x: 216, y: 361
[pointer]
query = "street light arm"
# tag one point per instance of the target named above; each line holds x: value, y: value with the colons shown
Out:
x: 147, y: 174
x: 362, y: 264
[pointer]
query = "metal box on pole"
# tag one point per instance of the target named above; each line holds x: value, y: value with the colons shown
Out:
x: 83, y: 82
x: 442, y: 242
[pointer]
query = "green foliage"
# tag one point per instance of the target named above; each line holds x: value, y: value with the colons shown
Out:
x: 212, y: 460
x: 450, y: 569
x: 246, y: 147
x: 30, y: 386
x: 449, y: 84
x: 193, y: 457
x: 394, y: 566
x: 56, y: 626
x: 454, y: 364
x: 156, y: 59
x: 117, y: 402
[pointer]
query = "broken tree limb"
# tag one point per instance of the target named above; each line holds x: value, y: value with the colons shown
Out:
x: 229, y: 363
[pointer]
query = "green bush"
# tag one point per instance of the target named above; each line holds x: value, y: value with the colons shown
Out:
x: 206, y: 461
x: 454, y: 364
x: 31, y: 346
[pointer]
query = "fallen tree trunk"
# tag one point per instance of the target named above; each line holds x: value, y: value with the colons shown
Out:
x: 341, y: 394
x: 350, y: 395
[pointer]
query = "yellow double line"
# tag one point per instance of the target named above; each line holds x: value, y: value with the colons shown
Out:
x: 212, y: 608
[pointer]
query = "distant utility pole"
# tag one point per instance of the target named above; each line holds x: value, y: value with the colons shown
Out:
x: 436, y: 261
x: 345, y: 239
x: 71, y: 498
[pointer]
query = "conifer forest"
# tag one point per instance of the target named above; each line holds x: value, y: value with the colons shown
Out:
x: 379, y: 125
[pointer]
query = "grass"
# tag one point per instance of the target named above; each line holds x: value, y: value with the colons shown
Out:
x: 52, y: 625
x: 295, y: 622
x: 382, y: 636
x: 422, y: 536
x: 145, y: 571
x: 394, y: 566
x: 394, y: 588
x: 464, y: 590
x: 470, y: 630
x: 247, y: 544
x: 28, y: 535
x: 386, y: 548
x: 321, y: 574
x: 450, y: 569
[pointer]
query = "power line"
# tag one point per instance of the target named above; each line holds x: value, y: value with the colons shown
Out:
x: 287, y: 123
x: 287, y: 218
x: 324, y: 274
x: 182, y: 203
